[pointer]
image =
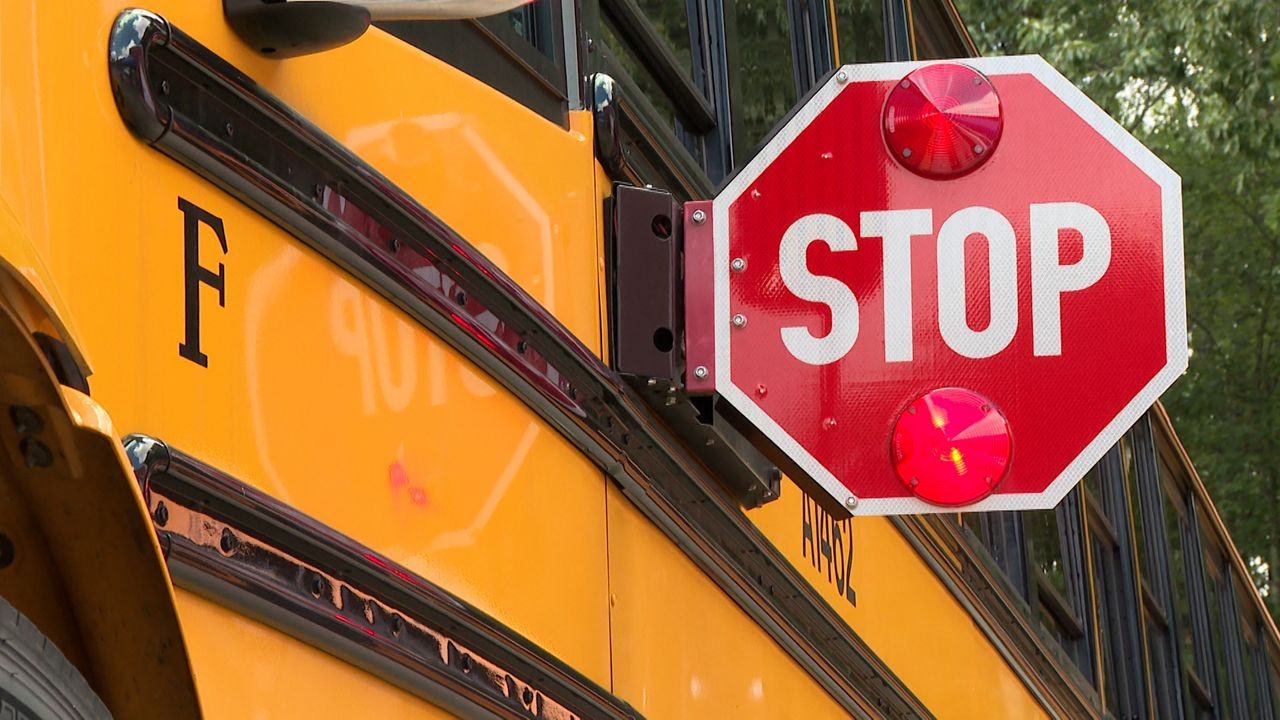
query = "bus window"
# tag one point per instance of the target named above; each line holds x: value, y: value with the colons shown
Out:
x: 670, y: 20
x: 1228, y: 641
x: 1104, y: 594
x: 1218, y: 644
x: 635, y: 72
x: 859, y: 31
x: 1115, y: 587
x: 1054, y: 542
x: 1178, y: 549
x: 763, y: 72
x: 1262, y: 703
x: 1150, y: 533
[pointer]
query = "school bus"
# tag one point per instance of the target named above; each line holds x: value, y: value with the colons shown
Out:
x: 320, y: 401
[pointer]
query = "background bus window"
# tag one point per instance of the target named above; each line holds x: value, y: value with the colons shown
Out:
x: 1266, y: 680
x: 670, y: 20
x: 1115, y: 586
x: 859, y: 31
x: 1150, y: 537
x: 763, y: 72
x: 1058, y: 592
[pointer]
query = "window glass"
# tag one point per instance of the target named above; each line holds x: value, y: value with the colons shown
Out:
x: 1178, y: 571
x: 1274, y: 680
x: 1045, y: 547
x: 1093, y: 482
x: 645, y: 82
x: 1103, y: 601
x: 1250, y: 678
x: 650, y: 89
x: 764, y: 79
x: 1130, y: 462
x: 535, y: 23
x: 859, y: 30
x: 1219, y: 679
x: 670, y: 19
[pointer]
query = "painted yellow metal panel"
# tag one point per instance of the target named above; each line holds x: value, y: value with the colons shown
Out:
x: 316, y: 390
x: 224, y: 647
x: 878, y: 583
x: 681, y: 648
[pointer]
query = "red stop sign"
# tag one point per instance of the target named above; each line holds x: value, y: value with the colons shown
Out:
x: 1046, y: 282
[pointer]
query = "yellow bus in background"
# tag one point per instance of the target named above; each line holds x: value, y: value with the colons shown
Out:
x: 319, y: 399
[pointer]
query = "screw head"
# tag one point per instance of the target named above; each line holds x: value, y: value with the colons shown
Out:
x: 699, y: 217
x: 738, y: 264
x: 851, y: 502
x: 842, y: 77
x: 906, y: 152
x: 739, y: 320
x: 701, y: 372
x: 979, y: 149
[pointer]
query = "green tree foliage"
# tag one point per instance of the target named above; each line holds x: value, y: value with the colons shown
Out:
x: 1196, y: 80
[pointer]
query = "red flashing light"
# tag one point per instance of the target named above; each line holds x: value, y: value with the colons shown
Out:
x: 943, y: 120
x: 951, y: 447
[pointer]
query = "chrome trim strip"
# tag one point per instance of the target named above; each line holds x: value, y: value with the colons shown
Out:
x: 240, y: 547
x: 314, y: 188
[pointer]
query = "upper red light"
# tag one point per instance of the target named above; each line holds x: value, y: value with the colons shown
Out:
x: 943, y: 120
x: 951, y: 447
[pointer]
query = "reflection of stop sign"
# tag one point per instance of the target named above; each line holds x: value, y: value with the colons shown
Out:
x: 970, y: 323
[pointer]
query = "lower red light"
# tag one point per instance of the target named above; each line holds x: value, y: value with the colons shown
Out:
x: 951, y: 447
x: 943, y: 120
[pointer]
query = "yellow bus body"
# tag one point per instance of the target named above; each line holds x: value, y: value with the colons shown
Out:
x: 324, y: 395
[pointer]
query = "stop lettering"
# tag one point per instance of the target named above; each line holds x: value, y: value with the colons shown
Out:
x: 1049, y: 278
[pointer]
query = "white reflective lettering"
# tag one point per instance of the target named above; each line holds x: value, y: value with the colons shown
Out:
x: 794, y: 269
x: 1049, y: 278
x: 1003, y: 284
x: 897, y: 227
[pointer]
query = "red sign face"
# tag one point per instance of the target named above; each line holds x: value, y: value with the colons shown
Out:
x: 1043, y: 283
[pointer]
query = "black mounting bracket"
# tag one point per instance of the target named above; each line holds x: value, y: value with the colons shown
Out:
x: 645, y: 276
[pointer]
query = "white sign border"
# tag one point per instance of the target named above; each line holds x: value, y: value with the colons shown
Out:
x: 1176, y: 353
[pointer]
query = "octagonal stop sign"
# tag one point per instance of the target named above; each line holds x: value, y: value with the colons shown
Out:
x: 942, y: 286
